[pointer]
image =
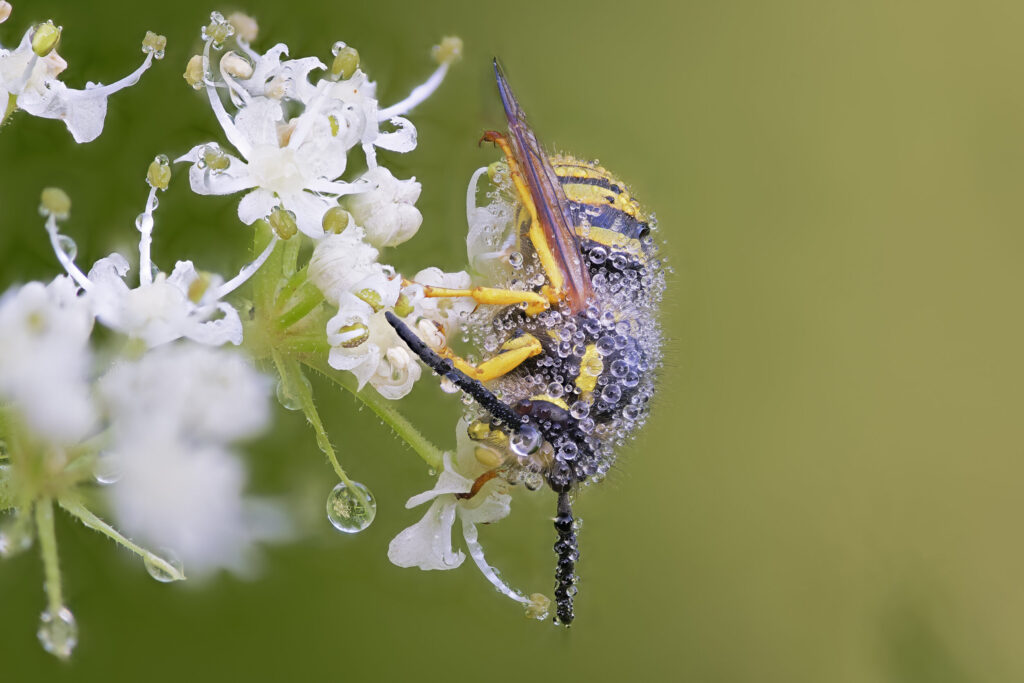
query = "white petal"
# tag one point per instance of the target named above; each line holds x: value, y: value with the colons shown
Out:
x: 449, y: 481
x: 227, y: 329
x: 258, y: 120
x: 494, y: 507
x: 428, y: 543
x: 402, y: 140
x: 256, y: 205
x: 309, y: 211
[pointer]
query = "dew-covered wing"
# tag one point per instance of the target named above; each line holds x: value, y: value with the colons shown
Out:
x: 548, y: 196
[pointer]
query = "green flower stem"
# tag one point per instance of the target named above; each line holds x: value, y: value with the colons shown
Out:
x: 309, y: 298
x: 306, y: 344
x: 293, y: 283
x: 385, y: 410
x: 297, y: 388
x: 12, y: 104
x: 86, y: 517
x: 290, y: 256
x: 48, y: 547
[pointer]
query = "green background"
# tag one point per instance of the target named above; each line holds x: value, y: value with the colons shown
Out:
x: 829, y: 488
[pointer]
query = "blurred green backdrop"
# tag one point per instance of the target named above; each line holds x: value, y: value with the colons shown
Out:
x: 829, y: 487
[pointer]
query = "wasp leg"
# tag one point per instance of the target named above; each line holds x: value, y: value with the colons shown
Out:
x: 513, y: 353
x: 493, y: 296
x: 556, y: 291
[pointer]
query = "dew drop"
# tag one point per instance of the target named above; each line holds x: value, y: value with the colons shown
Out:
x: 288, y: 397
x: 533, y: 481
x: 15, y: 537
x: 526, y: 441
x: 160, y: 566
x: 58, y: 633
x: 107, y: 470
x: 350, y: 511
x: 515, y: 259
x: 67, y: 246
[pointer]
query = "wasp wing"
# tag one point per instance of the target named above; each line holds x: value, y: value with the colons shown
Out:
x: 549, y: 198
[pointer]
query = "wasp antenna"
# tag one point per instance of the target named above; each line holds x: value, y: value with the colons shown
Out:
x: 442, y: 366
x: 567, y: 549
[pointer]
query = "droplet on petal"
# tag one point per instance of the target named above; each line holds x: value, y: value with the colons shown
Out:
x: 350, y: 511
x: 58, y: 633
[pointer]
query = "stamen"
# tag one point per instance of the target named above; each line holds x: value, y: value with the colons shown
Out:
x: 447, y: 53
x: 476, y: 551
x: 76, y: 274
x: 238, y: 141
x: 245, y: 273
x: 107, y: 90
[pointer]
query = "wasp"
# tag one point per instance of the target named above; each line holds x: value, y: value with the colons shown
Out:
x: 573, y: 375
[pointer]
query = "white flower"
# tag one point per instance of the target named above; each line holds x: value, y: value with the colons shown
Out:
x: 451, y: 313
x: 180, y: 487
x: 341, y: 261
x: 45, y: 360
x: 32, y: 81
x: 163, y: 307
x: 428, y: 543
x: 293, y: 164
x: 296, y: 163
x: 387, y: 212
x: 363, y: 343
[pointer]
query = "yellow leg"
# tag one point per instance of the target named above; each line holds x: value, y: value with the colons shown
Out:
x: 535, y: 303
x: 513, y: 353
x: 554, y: 292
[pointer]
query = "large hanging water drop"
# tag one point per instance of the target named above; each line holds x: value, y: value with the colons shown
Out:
x: 67, y: 246
x: 351, y: 509
x: 107, y: 470
x: 58, y: 633
x: 165, y: 568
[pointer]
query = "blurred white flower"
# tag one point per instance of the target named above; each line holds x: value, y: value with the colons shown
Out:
x: 428, y: 543
x: 45, y: 359
x: 451, y: 313
x: 172, y: 414
x: 387, y: 212
x: 29, y: 72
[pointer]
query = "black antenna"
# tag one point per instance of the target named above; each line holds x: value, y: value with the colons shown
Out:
x: 567, y: 550
x: 442, y: 366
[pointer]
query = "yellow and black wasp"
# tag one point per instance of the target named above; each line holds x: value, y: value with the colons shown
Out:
x: 574, y: 373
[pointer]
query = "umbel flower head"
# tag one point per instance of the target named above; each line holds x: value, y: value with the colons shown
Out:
x: 29, y: 75
x: 294, y: 163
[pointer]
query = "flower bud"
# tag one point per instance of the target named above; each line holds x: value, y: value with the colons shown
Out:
x: 236, y: 65
x: 449, y: 51
x: 5, y: 10
x: 159, y: 173
x: 154, y: 44
x: 194, y: 72
x: 346, y: 61
x: 283, y: 222
x: 45, y: 38
x: 55, y: 202
x: 245, y: 26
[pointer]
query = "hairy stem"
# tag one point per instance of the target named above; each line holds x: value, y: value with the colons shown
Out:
x: 385, y: 410
x: 12, y: 104
x: 309, y: 298
x: 86, y: 517
x: 48, y: 548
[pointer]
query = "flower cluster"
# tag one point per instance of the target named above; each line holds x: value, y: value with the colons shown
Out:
x: 144, y: 419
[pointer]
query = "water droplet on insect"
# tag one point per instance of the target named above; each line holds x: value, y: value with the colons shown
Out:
x: 526, y: 441
x: 158, y: 568
x: 515, y: 259
x: 580, y: 409
x: 288, y: 397
x: 533, y: 481
x: 58, y: 633
x: 351, y: 511
x: 67, y: 246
